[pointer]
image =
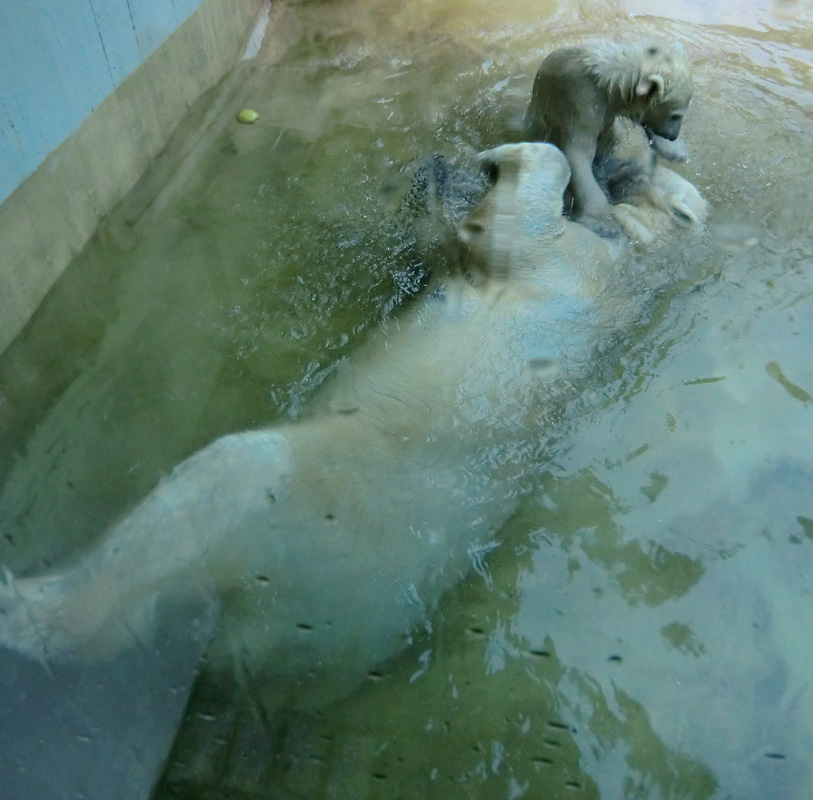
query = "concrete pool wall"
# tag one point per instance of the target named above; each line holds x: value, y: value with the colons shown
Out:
x: 90, y: 95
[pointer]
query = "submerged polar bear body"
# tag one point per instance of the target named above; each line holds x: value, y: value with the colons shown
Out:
x: 325, y: 541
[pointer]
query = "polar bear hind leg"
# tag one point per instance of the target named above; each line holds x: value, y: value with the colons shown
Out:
x: 180, y: 544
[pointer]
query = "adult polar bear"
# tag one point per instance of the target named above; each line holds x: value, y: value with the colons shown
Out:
x: 324, y: 542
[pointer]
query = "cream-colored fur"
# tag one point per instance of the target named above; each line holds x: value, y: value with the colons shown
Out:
x: 578, y: 93
x: 324, y: 542
x: 634, y: 68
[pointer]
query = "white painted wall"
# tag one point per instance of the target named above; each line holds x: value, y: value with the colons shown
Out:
x: 59, y: 59
x: 90, y: 93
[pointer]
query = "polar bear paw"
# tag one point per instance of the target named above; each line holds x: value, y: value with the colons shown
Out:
x: 17, y: 628
x: 668, y: 201
x: 676, y: 151
x: 29, y: 616
x: 637, y: 223
x: 677, y: 197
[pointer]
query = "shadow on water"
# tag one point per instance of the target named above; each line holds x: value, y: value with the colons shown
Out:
x: 642, y: 630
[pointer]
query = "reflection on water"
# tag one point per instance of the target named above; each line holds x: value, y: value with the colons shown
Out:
x: 643, y: 630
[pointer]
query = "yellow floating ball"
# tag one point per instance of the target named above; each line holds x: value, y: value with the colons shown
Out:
x: 247, y: 116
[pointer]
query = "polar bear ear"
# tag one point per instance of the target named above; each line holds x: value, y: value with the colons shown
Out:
x: 651, y: 87
x: 536, y: 157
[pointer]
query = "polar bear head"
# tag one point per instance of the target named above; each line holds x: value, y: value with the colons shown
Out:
x: 519, y: 229
x: 523, y: 208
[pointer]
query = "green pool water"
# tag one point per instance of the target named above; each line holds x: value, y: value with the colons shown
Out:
x: 643, y: 629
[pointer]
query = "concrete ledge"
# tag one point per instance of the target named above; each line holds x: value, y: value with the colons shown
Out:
x: 48, y: 219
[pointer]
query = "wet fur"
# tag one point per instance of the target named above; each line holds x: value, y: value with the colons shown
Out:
x: 577, y: 95
x: 325, y: 542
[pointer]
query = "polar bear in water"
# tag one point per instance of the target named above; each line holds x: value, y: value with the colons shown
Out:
x: 324, y: 542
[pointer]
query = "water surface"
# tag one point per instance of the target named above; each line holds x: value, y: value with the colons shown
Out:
x: 643, y: 629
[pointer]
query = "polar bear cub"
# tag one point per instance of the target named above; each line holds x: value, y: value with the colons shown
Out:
x: 324, y: 542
